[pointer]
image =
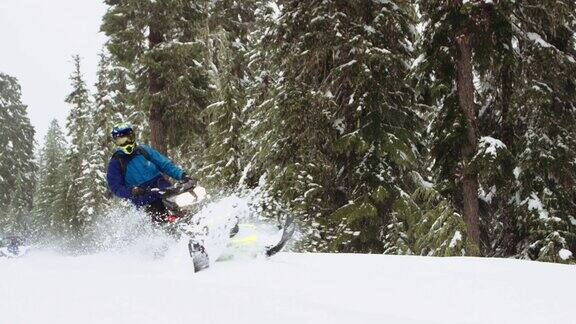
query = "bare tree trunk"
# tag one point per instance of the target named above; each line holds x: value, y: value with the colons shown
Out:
x: 507, y: 133
x: 465, y: 89
x: 155, y: 118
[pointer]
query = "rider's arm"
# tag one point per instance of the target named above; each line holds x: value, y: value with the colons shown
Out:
x: 163, y: 163
x: 118, y: 186
x: 115, y: 180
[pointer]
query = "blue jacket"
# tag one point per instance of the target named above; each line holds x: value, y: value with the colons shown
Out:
x: 140, y: 172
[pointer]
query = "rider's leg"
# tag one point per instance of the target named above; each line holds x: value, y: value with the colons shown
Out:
x: 157, y: 210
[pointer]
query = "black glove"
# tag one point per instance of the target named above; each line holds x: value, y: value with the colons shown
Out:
x: 138, y: 191
x: 186, y: 179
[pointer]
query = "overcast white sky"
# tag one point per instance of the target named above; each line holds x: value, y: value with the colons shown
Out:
x: 38, y: 38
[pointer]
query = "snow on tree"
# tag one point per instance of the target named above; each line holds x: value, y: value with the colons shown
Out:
x: 78, y: 125
x: 230, y: 25
x: 113, y: 101
x: 545, y: 128
x: 426, y: 223
x: 17, y: 165
x: 260, y: 92
x: 515, y: 92
x: 92, y: 181
x: 161, y: 41
x: 50, y: 196
x: 450, y: 38
x: 340, y: 131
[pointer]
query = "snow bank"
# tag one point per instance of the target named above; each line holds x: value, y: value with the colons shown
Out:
x: 127, y: 284
x: 289, y: 288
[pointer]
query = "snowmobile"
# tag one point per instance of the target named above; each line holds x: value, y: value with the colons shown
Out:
x: 13, y: 247
x: 209, y: 236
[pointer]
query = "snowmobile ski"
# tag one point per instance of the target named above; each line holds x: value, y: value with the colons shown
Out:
x: 288, y: 231
x: 199, y: 256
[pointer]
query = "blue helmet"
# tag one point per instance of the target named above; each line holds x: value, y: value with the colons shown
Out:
x: 124, y: 137
x: 122, y: 129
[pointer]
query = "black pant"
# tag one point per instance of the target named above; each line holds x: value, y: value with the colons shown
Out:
x: 157, y: 210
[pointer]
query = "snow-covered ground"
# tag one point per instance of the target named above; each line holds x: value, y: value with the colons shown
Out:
x: 288, y: 288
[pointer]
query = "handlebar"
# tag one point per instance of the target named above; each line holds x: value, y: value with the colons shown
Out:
x: 176, y: 189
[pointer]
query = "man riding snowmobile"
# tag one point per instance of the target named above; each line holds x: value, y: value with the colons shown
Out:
x: 135, y: 169
x: 137, y: 172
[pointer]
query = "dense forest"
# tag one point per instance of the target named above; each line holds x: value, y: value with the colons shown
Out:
x: 386, y: 126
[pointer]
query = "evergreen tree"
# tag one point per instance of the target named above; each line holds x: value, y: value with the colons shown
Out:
x: 161, y: 41
x: 92, y: 180
x: 230, y: 23
x: 113, y: 102
x: 17, y: 165
x: 50, y: 197
x: 448, y: 47
x: 260, y: 90
x: 78, y: 125
x: 340, y: 137
x: 425, y: 223
x: 545, y: 127
x: 501, y: 44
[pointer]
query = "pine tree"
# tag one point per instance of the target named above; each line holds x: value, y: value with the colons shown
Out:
x: 261, y: 92
x: 340, y: 136
x: 17, y: 165
x: 448, y: 50
x: 78, y: 125
x: 161, y: 41
x: 50, y: 197
x: 426, y: 223
x: 546, y: 129
x: 92, y: 181
x: 230, y: 25
x: 113, y: 102
x: 503, y: 42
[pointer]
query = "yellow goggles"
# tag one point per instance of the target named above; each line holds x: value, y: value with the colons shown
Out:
x: 123, y: 140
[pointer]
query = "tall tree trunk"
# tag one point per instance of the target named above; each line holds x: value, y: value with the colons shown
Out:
x: 465, y: 90
x: 155, y: 118
x: 507, y: 133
